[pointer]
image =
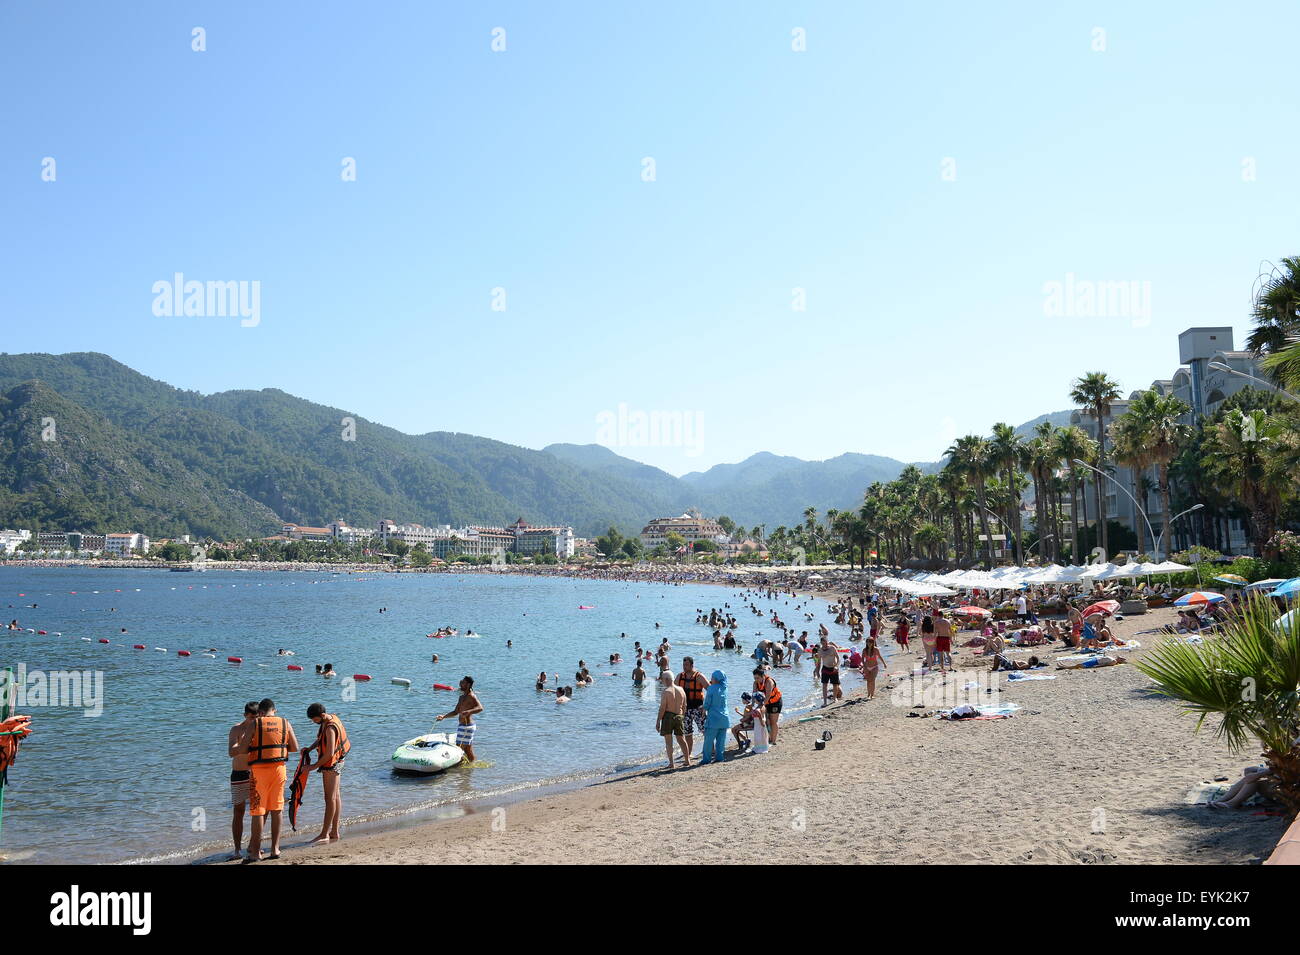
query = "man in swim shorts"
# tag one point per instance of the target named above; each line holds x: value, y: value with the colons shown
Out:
x: 694, y: 684
x: 669, y: 722
x: 828, y: 658
x: 239, y: 775
x: 267, y: 744
x: 465, y: 710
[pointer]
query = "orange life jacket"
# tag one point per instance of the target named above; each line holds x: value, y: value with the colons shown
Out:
x: 341, y: 745
x: 776, y: 691
x: 14, y: 730
x: 269, y: 742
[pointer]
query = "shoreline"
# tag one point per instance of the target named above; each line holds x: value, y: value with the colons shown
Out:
x: 1095, y: 768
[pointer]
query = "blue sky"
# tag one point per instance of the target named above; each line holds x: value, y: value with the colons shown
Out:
x: 523, y: 170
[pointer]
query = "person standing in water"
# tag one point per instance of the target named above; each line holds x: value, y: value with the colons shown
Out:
x: 465, y: 710
x: 672, y: 708
x: 267, y: 744
x: 332, y: 748
x: 239, y: 775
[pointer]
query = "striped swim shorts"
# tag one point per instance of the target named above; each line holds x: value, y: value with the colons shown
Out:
x: 465, y: 734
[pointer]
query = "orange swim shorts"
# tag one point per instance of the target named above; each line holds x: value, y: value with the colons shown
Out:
x: 267, y: 792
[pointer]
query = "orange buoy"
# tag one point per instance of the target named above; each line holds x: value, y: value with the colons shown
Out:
x: 138, y: 646
x: 103, y: 640
x: 294, y: 666
x: 363, y: 677
x: 234, y: 659
x: 182, y: 653
x: 441, y: 686
x: 40, y: 631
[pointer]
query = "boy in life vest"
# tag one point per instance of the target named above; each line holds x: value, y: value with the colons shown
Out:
x: 332, y: 747
x: 268, y: 743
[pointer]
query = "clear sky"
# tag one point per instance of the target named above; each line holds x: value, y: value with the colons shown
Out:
x: 1162, y: 151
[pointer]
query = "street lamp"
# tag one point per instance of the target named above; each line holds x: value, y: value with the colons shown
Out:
x: 1039, y: 541
x: 1194, y: 507
x: 1136, y: 505
x: 1220, y: 366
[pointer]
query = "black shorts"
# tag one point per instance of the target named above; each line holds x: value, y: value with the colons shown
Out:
x: 831, y: 675
x: 775, y: 707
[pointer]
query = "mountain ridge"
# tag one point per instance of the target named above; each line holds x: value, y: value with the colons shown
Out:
x: 245, y: 460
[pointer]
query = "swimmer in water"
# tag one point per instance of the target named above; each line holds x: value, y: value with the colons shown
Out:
x: 435, y: 658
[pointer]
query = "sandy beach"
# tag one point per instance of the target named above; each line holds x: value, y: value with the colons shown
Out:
x: 1093, y: 769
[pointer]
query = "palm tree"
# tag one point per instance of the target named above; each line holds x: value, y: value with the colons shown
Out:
x: 1247, y: 677
x: 1252, y: 452
x: 1131, y: 450
x: 1072, y: 444
x: 1009, y: 453
x: 1094, y: 393
x: 972, y: 456
x: 1155, y: 421
x: 1276, y: 309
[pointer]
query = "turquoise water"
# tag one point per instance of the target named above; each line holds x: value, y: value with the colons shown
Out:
x: 149, y: 776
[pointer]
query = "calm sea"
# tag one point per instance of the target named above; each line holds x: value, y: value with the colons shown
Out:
x: 147, y: 778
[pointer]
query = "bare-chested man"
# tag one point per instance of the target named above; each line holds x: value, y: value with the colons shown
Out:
x: 669, y: 722
x: 239, y: 775
x: 828, y: 660
x: 466, y: 708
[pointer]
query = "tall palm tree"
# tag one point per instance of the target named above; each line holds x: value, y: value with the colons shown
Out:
x: 1131, y: 450
x: 1072, y: 443
x: 1276, y: 309
x: 1009, y: 454
x: 1253, y: 453
x: 972, y: 455
x: 1094, y: 393
x: 1154, y: 420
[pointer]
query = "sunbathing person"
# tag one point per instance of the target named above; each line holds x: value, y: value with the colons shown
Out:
x: 1253, y: 779
x: 1004, y: 663
x: 1101, y: 661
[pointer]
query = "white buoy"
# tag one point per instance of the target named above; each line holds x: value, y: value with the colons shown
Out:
x: 401, y: 681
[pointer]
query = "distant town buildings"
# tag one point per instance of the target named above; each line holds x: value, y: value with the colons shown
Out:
x: 123, y: 545
x: 11, y: 539
x: 689, y: 527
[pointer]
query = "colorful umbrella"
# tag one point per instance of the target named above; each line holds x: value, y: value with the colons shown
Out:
x: 1236, y: 580
x: 297, y: 788
x: 1287, y: 588
x: 1198, y: 597
x: 1104, y: 607
x: 969, y: 611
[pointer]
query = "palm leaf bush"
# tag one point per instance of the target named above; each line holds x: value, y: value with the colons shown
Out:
x: 1247, y: 679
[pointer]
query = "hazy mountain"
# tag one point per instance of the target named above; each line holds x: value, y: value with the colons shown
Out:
x: 136, y: 453
x: 1058, y: 418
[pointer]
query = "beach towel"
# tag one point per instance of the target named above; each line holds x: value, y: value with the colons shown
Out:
x: 1016, y: 675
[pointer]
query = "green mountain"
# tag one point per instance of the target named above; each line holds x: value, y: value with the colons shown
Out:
x: 134, y: 453
x: 95, y: 476
x: 290, y: 459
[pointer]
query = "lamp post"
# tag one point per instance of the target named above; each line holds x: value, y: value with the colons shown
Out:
x: 1220, y: 366
x: 1194, y: 507
x: 1136, y: 505
x: 1039, y: 541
